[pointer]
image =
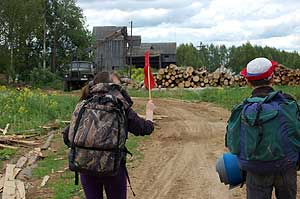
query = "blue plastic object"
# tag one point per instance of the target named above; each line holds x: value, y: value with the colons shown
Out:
x: 232, y: 169
x: 228, y: 169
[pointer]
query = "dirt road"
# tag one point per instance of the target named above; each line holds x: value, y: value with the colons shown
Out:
x: 179, y: 158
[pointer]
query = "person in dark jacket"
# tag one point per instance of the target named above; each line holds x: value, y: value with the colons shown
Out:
x: 259, y: 76
x: 115, y: 186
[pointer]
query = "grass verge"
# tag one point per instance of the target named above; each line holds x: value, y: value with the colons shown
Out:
x: 28, y: 109
x: 62, y: 185
x: 225, y: 97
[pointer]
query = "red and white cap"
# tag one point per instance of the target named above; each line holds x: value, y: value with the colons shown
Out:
x: 259, y: 68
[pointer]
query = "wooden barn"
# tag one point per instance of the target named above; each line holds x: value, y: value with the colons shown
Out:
x: 161, y: 54
x: 115, y: 49
x: 111, y: 47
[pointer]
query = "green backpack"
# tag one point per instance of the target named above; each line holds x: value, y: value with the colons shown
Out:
x: 265, y: 129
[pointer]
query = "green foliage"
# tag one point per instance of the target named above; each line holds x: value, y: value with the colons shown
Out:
x: 22, y: 28
x: 44, y: 78
x: 137, y: 74
x: 28, y: 109
x: 5, y: 154
x: 68, y: 37
x: 187, y: 55
x: 213, y: 56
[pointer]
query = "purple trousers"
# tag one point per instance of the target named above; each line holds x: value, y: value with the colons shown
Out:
x: 115, y: 186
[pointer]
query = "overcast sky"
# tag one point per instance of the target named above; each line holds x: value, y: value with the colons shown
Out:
x: 275, y: 23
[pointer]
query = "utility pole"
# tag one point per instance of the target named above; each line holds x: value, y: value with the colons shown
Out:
x: 44, y: 45
x: 130, y: 62
x: 44, y: 42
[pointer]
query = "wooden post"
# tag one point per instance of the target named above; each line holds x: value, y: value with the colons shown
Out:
x: 149, y: 86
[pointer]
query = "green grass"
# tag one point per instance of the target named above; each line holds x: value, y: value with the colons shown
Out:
x: 29, y: 109
x: 132, y: 145
x: 62, y: 184
x: 225, y: 97
x: 6, y: 154
x: 64, y: 187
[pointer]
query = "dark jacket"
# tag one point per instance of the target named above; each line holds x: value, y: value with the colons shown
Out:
x: 266, y: 90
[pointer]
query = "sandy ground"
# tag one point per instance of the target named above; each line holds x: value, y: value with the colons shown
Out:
x: 179, y: 158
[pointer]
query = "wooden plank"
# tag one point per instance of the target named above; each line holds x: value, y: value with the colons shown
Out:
x: 9, y: 173
x: 21, y: 162
x: 1, y: 183
x: 48, y: 141
x: 14, y: 141
x: 4, y: 131
x: 20, y: 192
x: 33, y: 156
x: 9, y: 190
x: 45, y: 180
x: 16, y: 172
x: 7, y: 146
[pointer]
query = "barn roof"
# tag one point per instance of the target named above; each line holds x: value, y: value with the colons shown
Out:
x: 101, y: 32
x: 154, y: 49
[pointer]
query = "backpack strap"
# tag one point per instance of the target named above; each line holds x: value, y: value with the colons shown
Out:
x: 128, y: 179
x: 259, y: 123
x: 126, y: 170
x: 76, y: 178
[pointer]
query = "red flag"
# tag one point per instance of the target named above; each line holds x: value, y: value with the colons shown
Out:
x: 147, y: 72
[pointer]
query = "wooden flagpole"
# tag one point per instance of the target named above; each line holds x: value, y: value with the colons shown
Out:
x: 149, y: 81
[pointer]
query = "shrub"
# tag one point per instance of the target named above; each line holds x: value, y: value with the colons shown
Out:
x: 44, y: 78
x: 137, y: 74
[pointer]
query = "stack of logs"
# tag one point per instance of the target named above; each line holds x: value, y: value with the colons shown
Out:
x: 286, y: 76
x: 175, y: 77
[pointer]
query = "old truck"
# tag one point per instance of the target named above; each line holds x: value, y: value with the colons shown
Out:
x: 79, y: 72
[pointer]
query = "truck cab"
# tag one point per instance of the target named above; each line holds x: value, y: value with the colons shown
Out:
x: 79, y: 73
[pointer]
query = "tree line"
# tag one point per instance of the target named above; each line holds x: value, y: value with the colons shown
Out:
x: 51, y: 33
x: 40, y: 34
x: 234, y: 57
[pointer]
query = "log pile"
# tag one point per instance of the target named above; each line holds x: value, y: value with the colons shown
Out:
x: 175, y: 77
x: 286, y: 76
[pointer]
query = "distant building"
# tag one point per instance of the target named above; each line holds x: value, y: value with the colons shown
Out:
x: 113, y: 50
x: 111, y: 47
x: 161, y: 54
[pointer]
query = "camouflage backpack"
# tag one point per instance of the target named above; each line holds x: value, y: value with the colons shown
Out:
x: 98, y: 132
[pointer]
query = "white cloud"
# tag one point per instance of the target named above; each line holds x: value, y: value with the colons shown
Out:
x: 274, y: 23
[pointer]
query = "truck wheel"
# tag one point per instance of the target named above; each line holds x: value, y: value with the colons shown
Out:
x: 66, y: 86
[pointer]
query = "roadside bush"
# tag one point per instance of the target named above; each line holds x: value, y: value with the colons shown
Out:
x: 44, y: 78
x: 137, y: 74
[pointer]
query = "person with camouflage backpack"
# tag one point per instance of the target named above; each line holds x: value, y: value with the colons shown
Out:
x: 264, y: 133
x: 97, y: 135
